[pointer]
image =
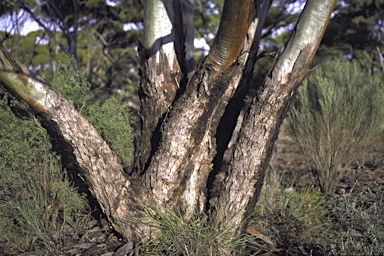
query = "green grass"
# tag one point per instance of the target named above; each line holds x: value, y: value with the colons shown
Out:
x: 289, y: 216
x: 178, y: 234
x: 36, y: 198
x: 361, y: 222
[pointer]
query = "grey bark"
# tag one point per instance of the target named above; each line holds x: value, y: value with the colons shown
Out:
x: 177, y: 143
x: 259, y: 132
x: 161, y: 73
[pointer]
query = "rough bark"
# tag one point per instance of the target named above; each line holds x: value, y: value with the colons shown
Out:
x: 179, y: 169
x: 118, y: 197
x: 177, y: 143
x: 161, y: 73
x: 259, y: 132
x: 230, y: 117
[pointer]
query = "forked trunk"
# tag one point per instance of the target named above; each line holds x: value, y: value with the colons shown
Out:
x: 179, y: 121
x: 246, y: 171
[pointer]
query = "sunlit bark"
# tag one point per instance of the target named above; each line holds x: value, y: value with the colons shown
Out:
x: 230, y: 36
x: 118, y: 197
x: 161, y: 73
x: 262, y: 123
x: 179, y: 121
x: 179, y: 169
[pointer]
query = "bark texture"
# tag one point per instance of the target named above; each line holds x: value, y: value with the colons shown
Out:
x: 118, y: 197
x: 179, y: 123
x: 230, y: 117
x: 161, y: 74
x: 178, y: 171
x: 259, y: 132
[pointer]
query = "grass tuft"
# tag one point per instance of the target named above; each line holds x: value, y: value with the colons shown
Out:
x: 294, y: 219
x: 37, y: 202
x: 196, y: 235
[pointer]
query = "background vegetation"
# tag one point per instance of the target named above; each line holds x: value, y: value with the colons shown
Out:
x: 39, y: 207
x: 338, y: 115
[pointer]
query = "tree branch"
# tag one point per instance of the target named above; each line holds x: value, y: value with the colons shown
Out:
x: 41, y: 24
x: 119, y: 197
x: 259, y: 132
x: 234, y: 24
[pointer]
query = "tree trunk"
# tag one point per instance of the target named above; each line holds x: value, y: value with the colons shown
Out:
x: 118, y: 197
x: 161, y: 74
x: 179, y: 169
x: 259, y: 132
x: 177, y: 145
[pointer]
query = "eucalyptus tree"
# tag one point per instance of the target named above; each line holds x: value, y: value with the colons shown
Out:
x: 181, y: 114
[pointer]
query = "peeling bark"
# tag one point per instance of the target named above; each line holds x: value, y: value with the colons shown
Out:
x: 179, y: 170
x: 179, y: 123
x: 232, y: 110
x: 253, y: 150
x: 303, y: 35
x: 245, y: 173
x: 162, y: 73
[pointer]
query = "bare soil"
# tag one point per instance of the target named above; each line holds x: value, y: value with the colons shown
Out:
x: 368, y: 172
x: 361, y: 183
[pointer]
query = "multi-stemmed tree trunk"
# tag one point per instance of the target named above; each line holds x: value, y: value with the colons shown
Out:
x: 180, y: 115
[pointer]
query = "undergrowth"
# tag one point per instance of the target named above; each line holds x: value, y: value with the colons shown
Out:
x: 37, y: 202
x: 40, y: 211
x: 294, y: 219
x: 337, y: 116
x: 107, y: 113
x: 362, y: 224
x: 179, y: 234
x: 302, y: 221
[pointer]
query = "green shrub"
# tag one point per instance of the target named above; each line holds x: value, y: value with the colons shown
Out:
x: 107, y: 113
x: 111, y: 119
x: 290, y: 217
x: 363, y: 225
x: 36, y: 199
x: 338, y: 114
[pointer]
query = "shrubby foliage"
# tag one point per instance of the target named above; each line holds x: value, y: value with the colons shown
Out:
x: 110, y: 116
x: 367, y: 219
x: 337, y: 116
x: 36, y: 198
